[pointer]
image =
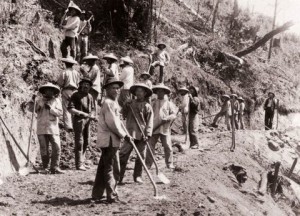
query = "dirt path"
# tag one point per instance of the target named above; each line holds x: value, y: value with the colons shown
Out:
x: 199, y: 187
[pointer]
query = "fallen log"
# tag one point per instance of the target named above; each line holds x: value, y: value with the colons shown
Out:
x: 35, y: 48
x: 265, y: 39
x: 263, y: 183
x: 275, y: 178
x: 293, y: 167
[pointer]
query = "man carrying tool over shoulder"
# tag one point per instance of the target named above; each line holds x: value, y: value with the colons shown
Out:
x: 71, y: 25
x: 194, y: 107
x: 144, y: 113
x: 225, y: 110
x: 164, y: 113
x: 110, y: 134
x: 184, y: 106
x: 82, y: 106
x: 48, y: 109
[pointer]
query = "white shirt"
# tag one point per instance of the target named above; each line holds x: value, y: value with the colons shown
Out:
x: 127, y: 76
x: 72, y: 26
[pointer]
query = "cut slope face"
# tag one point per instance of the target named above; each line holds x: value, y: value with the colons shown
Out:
x: 22, y: 70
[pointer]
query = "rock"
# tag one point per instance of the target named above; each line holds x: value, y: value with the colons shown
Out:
x: 210, y: 199
x: 273, y: 145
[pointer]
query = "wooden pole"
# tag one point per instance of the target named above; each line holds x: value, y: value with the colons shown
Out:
x: 275, y: 178
x: 293, y: 167
x: 273, y: 26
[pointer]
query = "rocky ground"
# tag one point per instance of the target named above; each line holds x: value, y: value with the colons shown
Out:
x: 201, y: 184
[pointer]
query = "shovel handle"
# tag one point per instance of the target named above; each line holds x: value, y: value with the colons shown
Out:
x: 147, y: 143
x: 142, y: 161
x: 19, y: 147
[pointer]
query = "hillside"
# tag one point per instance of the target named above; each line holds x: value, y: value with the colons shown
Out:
x: 200, y: 185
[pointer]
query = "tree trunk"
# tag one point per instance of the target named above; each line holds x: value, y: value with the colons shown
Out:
x: 215, y: 15
x: 265, y: 39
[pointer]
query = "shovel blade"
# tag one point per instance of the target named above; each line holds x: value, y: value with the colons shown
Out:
x: 163, y: 178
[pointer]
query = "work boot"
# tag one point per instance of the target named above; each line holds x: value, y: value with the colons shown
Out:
x: 81, y: 168
x: 56, y: 171
x: 139, y: 180
x: 194, y: 146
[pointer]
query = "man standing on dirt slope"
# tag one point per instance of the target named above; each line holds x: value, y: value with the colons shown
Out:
x: 161, y: 58
x: 84, y: 30
x: 70, y: 25
x: 110, y: 134
x: 90, y: 69
x: 127, y: 77
x: 269, y: 106
x: 113, y: 68
x: 144, y: 114
x: 184, y: 106
x: 68, y: 81
x: 225, y: 110
x: 235, y: 104
x: 241, y: 112
x: 48, y: 109
x: 194, y: 108
x: 164, y: 113
x: 82, y: 106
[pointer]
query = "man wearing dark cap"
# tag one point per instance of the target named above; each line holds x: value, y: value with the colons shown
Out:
x: 270, y: 106
x: 110, y: 135
x: 82, y: 107
x: 194, y: 107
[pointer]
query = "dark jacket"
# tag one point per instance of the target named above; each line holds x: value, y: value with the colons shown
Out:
x: 273, y: 104
x: 194, y: 105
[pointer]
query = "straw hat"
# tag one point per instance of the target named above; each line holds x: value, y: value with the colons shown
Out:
x: 196, y: 89
x: 127, y: 59
x: 240, y: 98
x: 272, y: 93
x: 90, y: 57
x: 110, y: 56
x: 69, y: 60
x: 86, y: 79
x: 55, y: 88
x: 111, y: 81
x: 74, y: 6
x: 234, y: 95
x: 183, y: 89
x: 161, y: 44
x: 161, y: 86
x: 226, y: 96
x: 146, y: 74
x: 141, y: 85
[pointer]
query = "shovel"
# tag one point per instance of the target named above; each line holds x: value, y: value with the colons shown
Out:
x: 142, y: 161
x: 160, y: 175
x: 17, y: 144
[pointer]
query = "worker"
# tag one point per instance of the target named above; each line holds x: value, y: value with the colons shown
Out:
x: 160, y: 58
x: 184, y: 106
x: 84, y: 31
x: 48, y: 109
x: 90, y: 69
x: 269, y: 106
x: 113, y: 68
x: 164, y: 112
x: 71, y: 25
x: 144, y: 114
x: 241, y: 112
x: 145, y: 78
x: 68, y: 80
x: 82, y: 106
x: 109, y: 137
x: 225, y: 111
x: 235, y: 105
x: 127, y: 77
x: 194, y: 108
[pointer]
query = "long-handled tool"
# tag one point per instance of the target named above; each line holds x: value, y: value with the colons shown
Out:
x: 232, y: 148
x: 142, y: 161
x: 277, y: 114
x: 17, y: 144
x: 160, y: 175
x: 31, y: 126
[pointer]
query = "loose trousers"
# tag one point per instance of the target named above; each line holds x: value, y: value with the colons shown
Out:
x: 241, y: 120
x: 44, y: 141
x: 68, y: 42
x: 107, y: 173
x: 167, y: 144
x: 161, y: 71
x: 82, y: 46
x: 193, y: 128
x: 269, y: 116
x: 227, y: 119
x: 67, y: 116
x: 125, y: 152
x: 82, y: 139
